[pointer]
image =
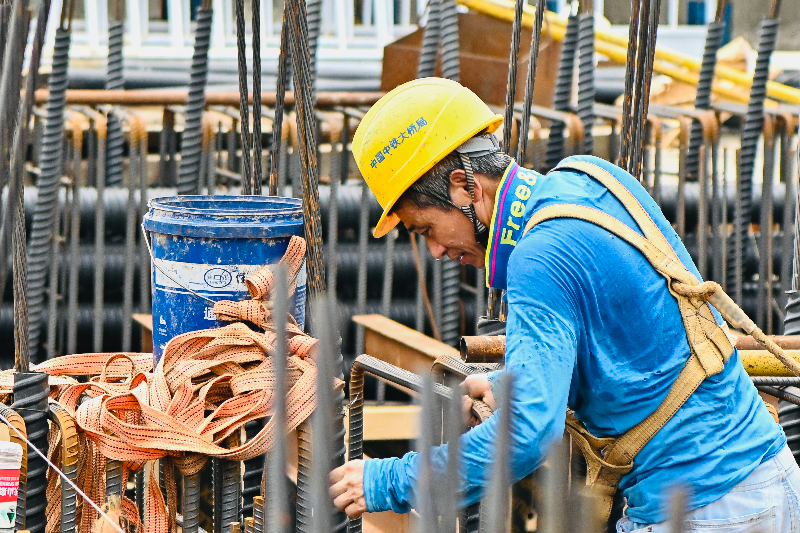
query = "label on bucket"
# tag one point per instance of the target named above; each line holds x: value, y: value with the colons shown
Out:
x: 9, y: 487
x: 202, y: 277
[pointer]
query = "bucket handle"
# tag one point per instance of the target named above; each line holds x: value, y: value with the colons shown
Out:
x: 173, y: 280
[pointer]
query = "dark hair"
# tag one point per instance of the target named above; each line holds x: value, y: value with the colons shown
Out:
x: 433, y: 187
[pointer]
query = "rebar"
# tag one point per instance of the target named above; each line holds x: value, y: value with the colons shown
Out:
x: 497, y: 503
x: 586, y: 90
x: 277, y: 123
x: 115, y: 81
x: 533, y: 59
x: 255, y: 28
x: 450, y: 318
x: 429, y: 51
x: 752, y: 130
x: 244, y: 111
x: 130, y: 244
x: 99, y: 239
x: 74, y: 240
x: 31, y: 390
x: 190, y: 503
x: 45, y: 212
x: 113, y: 475
x: 702, y: 99
x: 276, y: 483
x: 191, y: 143
x: 448, y: 34
x: 563, y: 91
x: 511, y: 82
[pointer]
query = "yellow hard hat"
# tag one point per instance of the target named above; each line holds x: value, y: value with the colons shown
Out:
x: 409, y: 130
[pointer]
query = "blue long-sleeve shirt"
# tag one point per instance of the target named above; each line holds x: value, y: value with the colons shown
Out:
x: 592, y: 326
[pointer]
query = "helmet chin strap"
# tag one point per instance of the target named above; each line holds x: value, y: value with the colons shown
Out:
x: 481, y: 231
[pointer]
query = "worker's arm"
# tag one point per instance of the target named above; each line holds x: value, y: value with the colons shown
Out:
x: 541, y: 348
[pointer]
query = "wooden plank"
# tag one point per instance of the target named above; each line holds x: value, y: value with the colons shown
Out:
x: 389, y: 422
x: 399, y: 345
x: 146, y: 321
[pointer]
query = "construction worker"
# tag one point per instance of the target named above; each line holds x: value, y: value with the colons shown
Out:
x: 606, y: 319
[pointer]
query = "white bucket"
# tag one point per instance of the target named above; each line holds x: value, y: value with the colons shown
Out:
x: 10, y: 464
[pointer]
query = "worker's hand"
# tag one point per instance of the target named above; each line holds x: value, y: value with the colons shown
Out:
x: 477, y: 386
x: 347, y: 488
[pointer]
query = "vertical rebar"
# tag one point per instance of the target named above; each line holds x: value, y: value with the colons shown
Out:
x: 276, y: 459
x: 562, y: 93
x: 419, y: 306
x: 511, y: 81
x: 277, y: 123
x: 788, y: 171
x: 765, y: 270
x: 448, y: 33
x: 702, y: 99
x: 52, y: 297
x: 702, y: 215
x: 99, y: 239
x: 115, y: 82
x: 144, y: 253
x: 450, y: 317
x: 44, y: 212
x: 429, y: 51
x: 130, y: 245
x: 361, y: 280
x: 255, y: 28
x: 751, y: 133
x: 190, y: 503
x: 74, y: 240
x: 497, y: 504
x: 586, y: 90
x: 191, y: 143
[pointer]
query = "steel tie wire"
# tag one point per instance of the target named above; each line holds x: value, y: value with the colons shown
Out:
x: 256, y: 45
x: 244, y: 110
x: 533, y: 58
x: 511, y: 82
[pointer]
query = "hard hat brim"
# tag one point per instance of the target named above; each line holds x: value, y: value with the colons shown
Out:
x: 389, y: 220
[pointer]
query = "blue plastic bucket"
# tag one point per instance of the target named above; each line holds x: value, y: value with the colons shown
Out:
x: 209, y: 245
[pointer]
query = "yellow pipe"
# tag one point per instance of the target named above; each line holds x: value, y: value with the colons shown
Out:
x: 763, y: 363
x: 556, y: 26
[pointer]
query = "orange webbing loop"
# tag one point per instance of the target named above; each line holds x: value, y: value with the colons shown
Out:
x: 206, y: 387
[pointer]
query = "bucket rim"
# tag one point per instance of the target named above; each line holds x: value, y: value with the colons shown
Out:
x: 181, y: 205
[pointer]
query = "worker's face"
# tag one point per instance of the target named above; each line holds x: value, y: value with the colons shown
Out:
x: 447, y: 232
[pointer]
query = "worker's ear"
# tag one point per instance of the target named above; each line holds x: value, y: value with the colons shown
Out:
x: 459, y: 190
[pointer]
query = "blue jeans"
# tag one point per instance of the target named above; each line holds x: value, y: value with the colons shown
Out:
x: 766, y: 501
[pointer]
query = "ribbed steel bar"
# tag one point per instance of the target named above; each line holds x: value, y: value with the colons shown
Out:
x: 258, y: 514
x: 451, y: 68
x: 563, y: 91
x: 702, y: 99
x: 144, y: 252
x: 130, y: 247
x: 511, y: 81
x: 115, y: 82
x: 648, y: 28
x: 361, y: 282
x: 751, y: 133
x: 450, y: 318
x: 244, y: 110
x: 113, y: 475
x: 626, y: 141
x: 190, y: 503
x: 31, y: 392
x: 52, y: 299
x: 437, y: 292
x: 429, y: 51
x: 99, y: 238
x: 787, y: 173
x: 333, y: 212
x: 62, y: 420
x: 314, y: 20
x: 586, y: 90
x: 419, y: 307
x: 386, y: 296
x: 44, y: 212
x: 74, y: 240
x: 191, y: 143
x: 227, y: 486
x: 765, y: 241
x: 533, y: 60
x: 718, y: 230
